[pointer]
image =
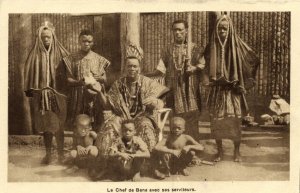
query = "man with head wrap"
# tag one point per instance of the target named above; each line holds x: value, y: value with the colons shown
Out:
x: 132, y: 97
x: 232, y: 69
x: 44, y: 82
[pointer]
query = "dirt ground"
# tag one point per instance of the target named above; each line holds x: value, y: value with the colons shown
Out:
x: 265, y: 157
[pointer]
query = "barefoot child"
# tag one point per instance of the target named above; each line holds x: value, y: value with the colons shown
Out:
x: 177, y: 150
x: 83, y: 139
x: 128, y: 153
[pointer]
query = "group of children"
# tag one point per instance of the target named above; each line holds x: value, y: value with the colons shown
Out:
x: 129, y: 153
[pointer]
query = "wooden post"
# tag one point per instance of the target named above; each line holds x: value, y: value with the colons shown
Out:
x: 19, y: 113
x: 130, y: 32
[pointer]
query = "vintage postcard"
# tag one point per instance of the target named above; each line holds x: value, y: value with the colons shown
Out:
x: 121, y: 96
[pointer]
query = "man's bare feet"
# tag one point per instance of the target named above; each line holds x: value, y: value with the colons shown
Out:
x: 99, y: 175
x: 136, y: 177
x: 46, y: 160
x: 72, y: 170
x: 219, y: 157
x: 184, y: 172
x: 237, y: 157
x: 158, y: 175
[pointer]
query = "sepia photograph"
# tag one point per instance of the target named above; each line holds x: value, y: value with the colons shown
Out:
x: 149, y: 96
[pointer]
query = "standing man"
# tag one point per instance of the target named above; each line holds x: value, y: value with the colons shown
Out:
x: 44, y: 82
x: 85, y: 68
x: 182, y: 76
x: 232, y: 69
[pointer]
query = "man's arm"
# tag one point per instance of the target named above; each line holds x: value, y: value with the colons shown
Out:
x: 114, y: 152
x: 101, y: 78
x: 80, y: 149
x: 74, y: 83
x: 194, y: 144
x: 144, y: 154
x: 143, y: 151
x: 102, y: 97
x: 201, y: 63
x: 161, y: 147
x: 71, y: 81
x: 197, y: 61
x: 160, y: 69
x: 93, y: 134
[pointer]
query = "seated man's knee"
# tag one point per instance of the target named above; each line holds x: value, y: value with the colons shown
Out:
x: 73, y: 153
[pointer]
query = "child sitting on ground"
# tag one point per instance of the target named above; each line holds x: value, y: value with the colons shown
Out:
x: 83, y: 152
x: 128, y: 153
x: 176, y: 151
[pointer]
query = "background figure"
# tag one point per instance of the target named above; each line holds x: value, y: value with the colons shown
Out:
x: 44, y: 82
x: 85, y: 68
x: 182, y: 75
x: 232, y: 69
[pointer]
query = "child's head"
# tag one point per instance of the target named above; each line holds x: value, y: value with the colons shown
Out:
x: 178, y: 126
x: 128, y: 129
x: 82, y: 124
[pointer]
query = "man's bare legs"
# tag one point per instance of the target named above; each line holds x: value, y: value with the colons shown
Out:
x: 219, y: 155
x: 236, y: 153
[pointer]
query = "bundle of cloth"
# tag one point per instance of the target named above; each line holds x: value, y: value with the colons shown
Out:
x: 281, y: 111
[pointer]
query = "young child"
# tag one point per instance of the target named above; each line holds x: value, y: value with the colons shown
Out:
x: 83, y: 150
x: 176, y: 151
x: 128, y: 153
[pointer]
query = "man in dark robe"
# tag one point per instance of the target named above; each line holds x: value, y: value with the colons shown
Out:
x: 232, y: 69
x: 44, y: 83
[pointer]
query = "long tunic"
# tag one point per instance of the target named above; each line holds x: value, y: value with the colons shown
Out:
x: 80, y: 101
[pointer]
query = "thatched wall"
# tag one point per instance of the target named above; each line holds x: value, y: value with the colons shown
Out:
x: 268, y: 33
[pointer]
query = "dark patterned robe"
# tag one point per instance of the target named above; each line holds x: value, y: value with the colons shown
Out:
x: 230, y: 76
x: 45, y: 82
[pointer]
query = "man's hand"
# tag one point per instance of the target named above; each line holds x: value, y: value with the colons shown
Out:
x: 95, y: 87
x: 201, y: 66
x: 191, y: 69
x: 186, y: 149
x: 81, y: 82
x: 176, y: 153
x: 125, y: 156
x: 99, y: 78
x: 81, y: 150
